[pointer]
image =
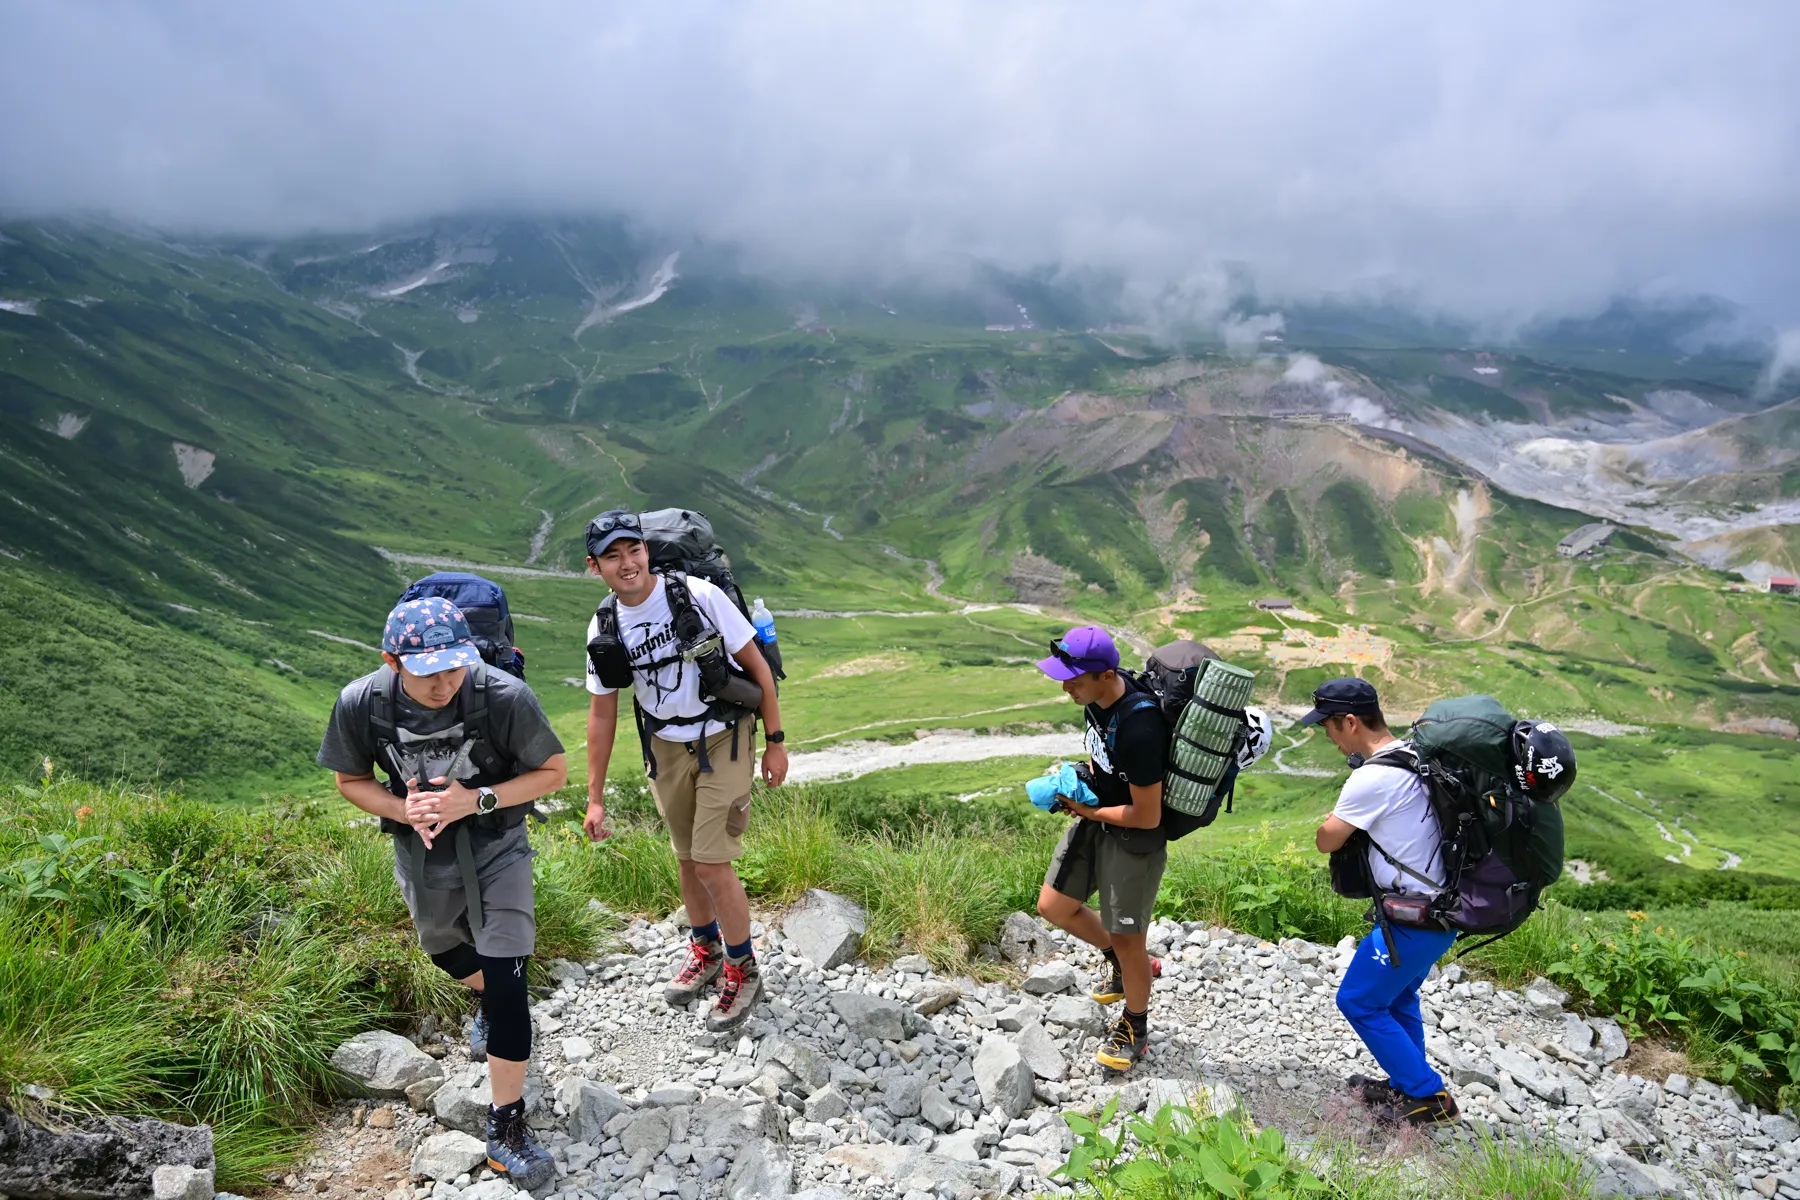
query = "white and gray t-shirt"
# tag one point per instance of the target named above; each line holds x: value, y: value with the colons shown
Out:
x: 671, y: 691
x: 1392, y: 806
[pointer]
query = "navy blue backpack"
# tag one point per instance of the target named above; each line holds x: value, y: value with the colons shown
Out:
x: 483, y: 602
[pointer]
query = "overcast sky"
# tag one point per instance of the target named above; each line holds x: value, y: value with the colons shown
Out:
x: 1492, y: 158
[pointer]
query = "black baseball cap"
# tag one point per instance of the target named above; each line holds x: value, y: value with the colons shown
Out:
x: 1340, y: 697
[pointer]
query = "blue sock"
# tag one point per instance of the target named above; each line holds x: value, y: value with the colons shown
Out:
x: 708, y: 932
x: 741, y: 950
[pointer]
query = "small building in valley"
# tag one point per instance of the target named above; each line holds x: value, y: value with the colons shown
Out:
x: 1787, y: 585
x: 1586, y: 540
x: 1273, y: 605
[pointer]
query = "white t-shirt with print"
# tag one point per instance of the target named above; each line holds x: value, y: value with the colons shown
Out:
x: 1393, y: 807
x: 647, y: 629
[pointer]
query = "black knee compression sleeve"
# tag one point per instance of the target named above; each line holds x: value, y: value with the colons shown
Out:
x: 459, y: 962
x: 508, y: 1008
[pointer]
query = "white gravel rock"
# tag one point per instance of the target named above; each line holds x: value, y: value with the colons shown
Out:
x: 825, y: 929
x: 174, y: 1182
x: 446, y: 1155
x: 384, y: 1063
x: 1047, y: 979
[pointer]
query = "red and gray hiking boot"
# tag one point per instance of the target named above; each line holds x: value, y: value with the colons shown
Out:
x: 514, y: 1153
x: 1437, y: 1109
x: 743, y: 983
x: 701, y: 968
x: 1123, y: 1046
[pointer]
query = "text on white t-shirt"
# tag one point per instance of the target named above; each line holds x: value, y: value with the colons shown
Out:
x: 672, y: 690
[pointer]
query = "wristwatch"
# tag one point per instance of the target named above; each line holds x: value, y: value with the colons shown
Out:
x: 774, y: 736
x: 486, y: 801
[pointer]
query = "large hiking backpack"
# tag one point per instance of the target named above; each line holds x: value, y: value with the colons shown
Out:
x: 483, y: 603
x: 1500, y: 825
x: 681, y: 539
x: 1205, y: 700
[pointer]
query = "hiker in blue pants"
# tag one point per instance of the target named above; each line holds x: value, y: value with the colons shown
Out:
x: 1379, y: 995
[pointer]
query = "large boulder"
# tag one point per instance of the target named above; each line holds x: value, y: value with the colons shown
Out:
x: 871, y: 1016
x: 825, y: 929
x: 1077, y: 1012
x: 763, y: 1171
x: 1040, y: 1052
x: 590, y: 1106
x: 446, y: 1155
x: 173, y: 1182
x: 1048, y: 979
x: 100, y: 1159
x: 1023, y: 940
x: 381, y: 1063
x: 1003, y: 1075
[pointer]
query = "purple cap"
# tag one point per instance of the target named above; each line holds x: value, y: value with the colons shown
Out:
x: 1084, y: 648
x: 429, y: 635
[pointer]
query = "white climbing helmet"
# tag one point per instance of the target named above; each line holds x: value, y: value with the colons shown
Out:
x: 1257, y: 739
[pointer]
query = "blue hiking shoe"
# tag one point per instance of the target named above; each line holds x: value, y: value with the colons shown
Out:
x: 478, y: 1037
x: 514, y: 1153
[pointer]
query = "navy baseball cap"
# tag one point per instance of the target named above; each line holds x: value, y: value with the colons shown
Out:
x: 429, y: 635
x: 613, y: 525
x: 1340, y: 697
x: 1084, y: 648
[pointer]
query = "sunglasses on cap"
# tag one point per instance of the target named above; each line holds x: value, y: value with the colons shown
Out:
x: 1062, y: 655
x: 611, y: 521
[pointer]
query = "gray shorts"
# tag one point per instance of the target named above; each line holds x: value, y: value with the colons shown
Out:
x: 441, y: 915
x: 1089, y: 860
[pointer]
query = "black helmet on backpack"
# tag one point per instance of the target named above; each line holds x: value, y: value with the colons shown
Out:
x: 1543, y: 760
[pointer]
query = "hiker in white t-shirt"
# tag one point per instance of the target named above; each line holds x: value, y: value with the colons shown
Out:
x: 1385, y: 802
x: 699, y: 755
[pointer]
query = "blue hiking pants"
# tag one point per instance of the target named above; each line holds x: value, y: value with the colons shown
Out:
x: 1382, y: 1003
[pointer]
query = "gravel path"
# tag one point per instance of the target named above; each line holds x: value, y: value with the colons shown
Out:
x: 901, y: 1083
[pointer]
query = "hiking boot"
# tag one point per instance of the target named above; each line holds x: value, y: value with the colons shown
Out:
x: 1112, y: 990
x: 1123, y: 1046
x: 1437, y: 1109
x: 743, y: 983
x: 514, y: 1153
x: 1373, y: 1092
x: 700, y: 969
x: 478, y: 1037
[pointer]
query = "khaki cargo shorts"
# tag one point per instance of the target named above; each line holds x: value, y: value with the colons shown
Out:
x: 1089, y: 860
x: 706, y: 812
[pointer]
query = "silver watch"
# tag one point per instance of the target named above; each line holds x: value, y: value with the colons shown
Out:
x: 486, y: 801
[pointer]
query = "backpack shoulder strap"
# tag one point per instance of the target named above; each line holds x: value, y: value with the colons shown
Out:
x: 1401, y: 754
x: 607, y: 614
x: 382, y: 722
x: 1131, y: 702
x: 684, y: 614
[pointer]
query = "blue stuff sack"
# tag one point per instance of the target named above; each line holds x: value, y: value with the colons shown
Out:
x: 1055, y: 785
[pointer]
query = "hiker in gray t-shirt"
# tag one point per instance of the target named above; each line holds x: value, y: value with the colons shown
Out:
x: 466, y: 749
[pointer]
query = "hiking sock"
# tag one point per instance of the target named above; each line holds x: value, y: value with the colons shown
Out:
x: 708, y: 932
x: 739, y: 951
x: 1139, y: 1021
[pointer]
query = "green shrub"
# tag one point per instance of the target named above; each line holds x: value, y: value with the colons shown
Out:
x: 1178, y: 1154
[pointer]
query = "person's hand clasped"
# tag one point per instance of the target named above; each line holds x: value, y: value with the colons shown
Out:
x: 429, y: 812
x: 594, y: 823
x: 774, y: 765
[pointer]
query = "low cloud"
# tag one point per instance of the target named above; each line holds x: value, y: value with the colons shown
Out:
x: 1490, y: 160
x: 1784, y: 363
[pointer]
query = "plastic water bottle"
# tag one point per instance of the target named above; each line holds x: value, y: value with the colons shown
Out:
x: 764, y: 621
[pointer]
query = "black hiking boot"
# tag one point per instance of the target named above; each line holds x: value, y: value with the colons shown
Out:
x: 513, y: 1152
x: 1437, y: 1109
x: 1123, y: 1046
x: 1373, y: 1092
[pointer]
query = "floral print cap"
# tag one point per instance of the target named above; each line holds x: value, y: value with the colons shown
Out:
x: 430, y: 635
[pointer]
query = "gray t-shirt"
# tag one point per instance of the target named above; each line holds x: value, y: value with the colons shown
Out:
x: 431, y: 741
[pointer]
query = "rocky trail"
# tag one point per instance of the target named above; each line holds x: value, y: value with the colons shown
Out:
x: 852, y: 1081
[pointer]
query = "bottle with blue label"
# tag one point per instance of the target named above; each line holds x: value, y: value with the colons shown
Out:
x: 763, y: 621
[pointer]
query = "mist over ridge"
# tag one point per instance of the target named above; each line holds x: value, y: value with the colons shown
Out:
x: 1496, y: 166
